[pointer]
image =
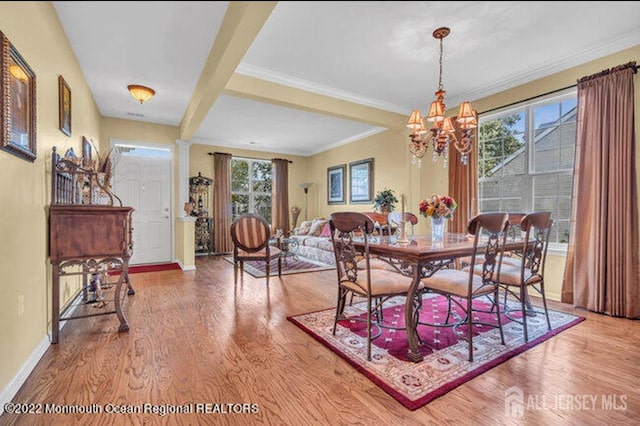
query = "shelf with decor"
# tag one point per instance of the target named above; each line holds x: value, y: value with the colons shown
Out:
x: 89, y: 236
x: 200, y: 188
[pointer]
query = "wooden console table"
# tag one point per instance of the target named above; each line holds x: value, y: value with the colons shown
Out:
x: 87, y: 240
x: 88, y: 236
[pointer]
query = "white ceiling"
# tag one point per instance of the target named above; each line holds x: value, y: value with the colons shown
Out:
x: 378, y: 54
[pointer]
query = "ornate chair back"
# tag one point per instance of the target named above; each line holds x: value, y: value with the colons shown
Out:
x: 344, y: 225
x: 537, y: 228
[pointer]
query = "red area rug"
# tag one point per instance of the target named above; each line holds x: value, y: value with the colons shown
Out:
x: 153, y: 268
x: 445, y: 365
x: 292, y: 265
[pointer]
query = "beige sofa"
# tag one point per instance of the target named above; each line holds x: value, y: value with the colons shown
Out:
x: 314, y: 241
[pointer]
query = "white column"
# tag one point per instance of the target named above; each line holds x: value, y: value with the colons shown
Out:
x: 183, y: 175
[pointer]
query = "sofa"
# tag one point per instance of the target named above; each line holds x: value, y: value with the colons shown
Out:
x: 314, y: 237
x: 314, y: 241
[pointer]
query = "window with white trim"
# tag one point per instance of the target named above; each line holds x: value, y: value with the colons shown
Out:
x: 526, y: 157
x: 251, y: 182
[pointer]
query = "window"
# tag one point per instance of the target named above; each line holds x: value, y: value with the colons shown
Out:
x: 526, y: 159
x: 251, y: 187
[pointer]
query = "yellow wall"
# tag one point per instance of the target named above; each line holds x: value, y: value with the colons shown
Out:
x: 35, y: 31
x: 146, y: 133
x: 392, y: 169
x: 201, y: 161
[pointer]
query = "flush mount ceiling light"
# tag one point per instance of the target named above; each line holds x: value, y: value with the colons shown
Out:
x: 141, y: 93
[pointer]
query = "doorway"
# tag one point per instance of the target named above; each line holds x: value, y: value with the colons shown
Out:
x: 142, y: 176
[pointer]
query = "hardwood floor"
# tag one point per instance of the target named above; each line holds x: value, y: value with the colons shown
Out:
x: 197, y: 338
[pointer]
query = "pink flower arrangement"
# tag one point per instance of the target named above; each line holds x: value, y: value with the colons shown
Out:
x: 438, y: 206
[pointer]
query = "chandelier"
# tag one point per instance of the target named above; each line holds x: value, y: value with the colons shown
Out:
x: 442, y: 134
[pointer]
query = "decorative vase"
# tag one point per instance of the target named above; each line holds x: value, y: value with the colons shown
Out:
x: 437, y: 228
x: 188, y: 208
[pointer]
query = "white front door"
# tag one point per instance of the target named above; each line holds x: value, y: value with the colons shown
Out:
x: 142, y: 180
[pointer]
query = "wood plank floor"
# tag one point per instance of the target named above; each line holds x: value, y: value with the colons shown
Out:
x: 197, y: 338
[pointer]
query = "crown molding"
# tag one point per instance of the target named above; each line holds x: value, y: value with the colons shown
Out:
x: 598, y: 51
x: 362, y: 135
x: 298, y: 83
x: 257, y: 148
x: 297, y: 152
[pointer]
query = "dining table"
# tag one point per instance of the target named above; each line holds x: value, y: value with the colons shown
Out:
x: 420, y: 257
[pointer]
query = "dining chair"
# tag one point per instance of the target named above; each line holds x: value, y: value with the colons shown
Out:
x: 375, y: 285
x: 528, y: 271
x: 511, y: 257
x: 250, y: 234
x: 463, y: 286
x: 396, y: 217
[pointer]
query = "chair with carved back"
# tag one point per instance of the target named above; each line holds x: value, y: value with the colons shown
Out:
x: 512, y: 257
x: 464, y: 286
x: 375, y: 285
x: 528, y: 271
x: 250, y: 234
x: 396, y: 218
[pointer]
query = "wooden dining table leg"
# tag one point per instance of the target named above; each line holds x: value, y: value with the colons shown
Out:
x: 411, y: 317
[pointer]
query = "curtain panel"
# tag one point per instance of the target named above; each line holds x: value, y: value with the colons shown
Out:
x: 463, y: 184
x: 280, y: 196
x: 222, y: 203
x: 602, y: 266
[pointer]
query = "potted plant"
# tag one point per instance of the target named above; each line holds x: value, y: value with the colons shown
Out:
x: 385, y: 201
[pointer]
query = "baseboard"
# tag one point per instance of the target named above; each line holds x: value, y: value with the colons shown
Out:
x: 553, y: 296
x: 185, y: 268
x: 23, y: 374
x: 18, y: 380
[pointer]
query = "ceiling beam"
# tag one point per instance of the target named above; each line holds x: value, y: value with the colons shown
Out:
x: 241, y: 24
x: 274, y: 93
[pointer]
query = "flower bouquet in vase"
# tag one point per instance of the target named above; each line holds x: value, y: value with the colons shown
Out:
x: 438, y: 208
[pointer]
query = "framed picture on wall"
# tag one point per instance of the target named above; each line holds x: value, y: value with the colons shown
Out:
x: 336, y: 184
x: 64, y: 106
x: 361, y: 181
x: 86, y: 152
x: 18, y: 113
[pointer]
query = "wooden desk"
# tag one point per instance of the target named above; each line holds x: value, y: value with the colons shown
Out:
x: 418, y: 259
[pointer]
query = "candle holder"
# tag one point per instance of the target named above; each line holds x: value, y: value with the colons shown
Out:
x: 403, y: 236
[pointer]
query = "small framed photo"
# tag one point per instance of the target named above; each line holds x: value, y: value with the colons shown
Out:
x: 361, y: 181
x: 64, y: 106
x: 86, y: 152
x: 18, y: 103
x: 336, y: 184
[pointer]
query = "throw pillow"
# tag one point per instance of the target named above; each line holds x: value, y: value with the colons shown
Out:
x: 304, y: 228
x: 326, y: 231
x: 316, y: 227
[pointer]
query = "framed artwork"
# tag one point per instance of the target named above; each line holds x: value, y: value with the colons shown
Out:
x: 361, y: 181
x: 18, y: 101
x: 86, y: 152
x: 64, y: 106
x: 336, y: 184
